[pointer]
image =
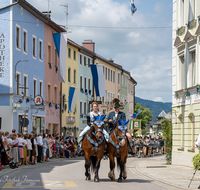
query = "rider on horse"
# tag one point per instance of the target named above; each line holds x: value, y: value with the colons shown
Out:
x: 90, y: 119
x: 115, y: 115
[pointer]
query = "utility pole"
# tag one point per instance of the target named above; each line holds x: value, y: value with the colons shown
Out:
x: 66, y: 12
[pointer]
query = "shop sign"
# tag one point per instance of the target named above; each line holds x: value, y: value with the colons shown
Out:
x: 38, y: 100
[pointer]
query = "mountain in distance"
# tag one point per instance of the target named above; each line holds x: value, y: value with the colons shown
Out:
x: 155, y: 107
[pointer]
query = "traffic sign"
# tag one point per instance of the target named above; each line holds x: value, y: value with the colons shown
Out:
x: 24, y: 122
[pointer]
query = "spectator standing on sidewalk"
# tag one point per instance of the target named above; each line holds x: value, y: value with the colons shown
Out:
x: 21, y: 150
x: 29, y: 148
x: 44, y: 141
x: 15, y: 149
x: 40, y: 146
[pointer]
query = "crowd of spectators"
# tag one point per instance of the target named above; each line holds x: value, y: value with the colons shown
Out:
x: 31, y: 149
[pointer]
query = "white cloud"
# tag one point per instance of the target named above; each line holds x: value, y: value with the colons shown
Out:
x: 158, y: 99
x: 145, y: 52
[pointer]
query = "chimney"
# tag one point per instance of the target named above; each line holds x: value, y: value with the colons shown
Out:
x: 111, y: 60
x: 89, y: 44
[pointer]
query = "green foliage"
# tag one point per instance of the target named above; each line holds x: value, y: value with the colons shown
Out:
x: 155, y: 107
x: 145, y: 116
x: 167, y: 135
x: 196, y: 160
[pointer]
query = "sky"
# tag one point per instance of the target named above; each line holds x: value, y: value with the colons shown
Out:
x: 144, y: 49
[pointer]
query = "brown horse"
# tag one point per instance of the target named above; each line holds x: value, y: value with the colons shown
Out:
x: 118, y: 147
x: 94, y: 146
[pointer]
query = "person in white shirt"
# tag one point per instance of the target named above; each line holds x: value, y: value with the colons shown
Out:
x: 40, y: 146
x: 29, y: 148
x: 21, y: 150
x: 25, y: 149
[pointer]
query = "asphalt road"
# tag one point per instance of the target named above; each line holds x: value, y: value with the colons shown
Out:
x: 68, y: 174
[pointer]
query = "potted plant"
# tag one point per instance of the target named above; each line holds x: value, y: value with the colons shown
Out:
x: 50, y: 104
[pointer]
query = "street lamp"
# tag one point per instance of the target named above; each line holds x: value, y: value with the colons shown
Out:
x: 16, y: 67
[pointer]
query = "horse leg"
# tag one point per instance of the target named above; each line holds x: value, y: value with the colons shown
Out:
x: 111, y: 174
x: 124, y: 175
x: 96, y: 176
x: 87, y: 169
x: 121, y: 165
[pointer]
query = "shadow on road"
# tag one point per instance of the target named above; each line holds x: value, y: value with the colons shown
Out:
x: 127, y: 181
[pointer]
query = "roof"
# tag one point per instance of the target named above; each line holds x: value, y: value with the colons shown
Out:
x: 73, y: 43
x: 162, y: 114
x: 40, y: 16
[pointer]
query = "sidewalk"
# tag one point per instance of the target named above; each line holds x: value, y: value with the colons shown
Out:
x: 177, y: 176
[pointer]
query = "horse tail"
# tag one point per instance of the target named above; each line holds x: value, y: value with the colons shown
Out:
x: 93, y: 160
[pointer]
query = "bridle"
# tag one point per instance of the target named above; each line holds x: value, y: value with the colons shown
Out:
x: 123, y: 129
x: 99, y: 124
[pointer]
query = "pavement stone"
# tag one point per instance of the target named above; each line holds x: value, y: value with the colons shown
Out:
x: 174, y: 175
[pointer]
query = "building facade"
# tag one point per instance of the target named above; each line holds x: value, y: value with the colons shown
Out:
x: 85, y: 84
x: 52, y: 85
x: 185, y: 80
x: 70, y: 120
x: 22, y: 63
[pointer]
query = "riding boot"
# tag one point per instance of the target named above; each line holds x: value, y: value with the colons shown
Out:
x: 81, y: 152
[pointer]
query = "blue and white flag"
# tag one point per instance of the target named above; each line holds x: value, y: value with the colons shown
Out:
x: 133, y: 8
x: 73, y: 96
x: 60, y: 40
x: 98, y: 79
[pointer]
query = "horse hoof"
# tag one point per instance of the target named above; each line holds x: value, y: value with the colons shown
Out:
x: 124, y: 178
x: 89, y: 177
x: 96, y: 179
x: 112, y: 178
x: 119, y: 180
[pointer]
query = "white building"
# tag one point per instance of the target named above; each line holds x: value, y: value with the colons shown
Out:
x: 185, y: 80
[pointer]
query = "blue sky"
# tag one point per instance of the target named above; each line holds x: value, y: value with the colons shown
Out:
x: 145, y: 52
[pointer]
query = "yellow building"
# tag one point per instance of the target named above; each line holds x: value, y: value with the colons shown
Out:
x: 70, y: 120
x: 185, y: 80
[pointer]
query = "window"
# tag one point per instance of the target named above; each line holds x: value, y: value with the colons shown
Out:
x: 192, y: 69
x: 88, y: 62
x: 81, y: 59
x: 49, y: 54
x: 55, y: 95
x: 69, y: 74
x: 88, y: 85
x: 85, y: 108
x: 81, y: 78
x: 181, y: 81
x: 18, y: 37
x: 111, y: 76
x: 41, y: 88
x: 63, y: 102
x: 69, y: 52
x: 25, y: 86
x: 34, y: 46
x: 74, y: 55
x: 18, y: 84
x: 118, y: 78
x: 56, y: 58
x: 103, y: 100
x: 81, y: 107
x: 34, y: 87
x: 25, y: 41
x: 74, y: 76
x: 40, y: 50
x: 84, y: 61
x: 181, y: 13
x: 0, y: 123
x: 108, y: 74
x: 103, y: 71
x: 191, y: 10
x: 106, y: 96
x: 114, y: 76
x: 49, y: 93
x: 122, y: 79
x: 85, y: 87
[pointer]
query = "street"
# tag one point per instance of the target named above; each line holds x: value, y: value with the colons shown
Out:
x: 69, y: 174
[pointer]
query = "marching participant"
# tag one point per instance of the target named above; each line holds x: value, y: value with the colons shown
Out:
x: 117, y: 114
x: 90, y: 118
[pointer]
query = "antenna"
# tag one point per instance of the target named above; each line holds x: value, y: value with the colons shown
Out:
x: 66, y: 12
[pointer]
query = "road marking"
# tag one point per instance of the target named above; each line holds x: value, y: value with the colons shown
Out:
x: 40, y: 184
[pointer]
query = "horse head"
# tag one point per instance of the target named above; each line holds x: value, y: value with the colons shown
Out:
x: 121, y: 129
x: 99, y: 124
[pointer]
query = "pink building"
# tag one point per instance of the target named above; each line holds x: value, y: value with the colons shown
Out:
x: 52, y: 86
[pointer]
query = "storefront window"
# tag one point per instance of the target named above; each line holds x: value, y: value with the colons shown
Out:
x: 38, y: 125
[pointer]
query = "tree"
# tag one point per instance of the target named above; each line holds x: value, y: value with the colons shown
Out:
x: 145, y: 116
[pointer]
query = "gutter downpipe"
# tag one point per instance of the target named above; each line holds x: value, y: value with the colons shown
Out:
x: 9, y: 5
